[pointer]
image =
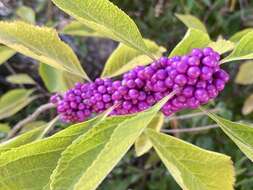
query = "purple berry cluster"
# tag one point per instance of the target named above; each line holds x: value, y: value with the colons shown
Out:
x: 195, y: 78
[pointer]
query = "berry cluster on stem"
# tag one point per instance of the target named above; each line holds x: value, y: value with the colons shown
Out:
x: 196, y: 78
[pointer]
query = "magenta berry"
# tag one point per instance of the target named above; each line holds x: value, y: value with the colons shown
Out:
x: 196, y: 78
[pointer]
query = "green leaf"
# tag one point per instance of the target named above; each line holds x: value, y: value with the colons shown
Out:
x: 193, y: 168
x: 142, y: 144
x: 87, y: 161
x: 222, y: 46
x: 20, y: 167
x: 20, y: 78
x: 40, y: 43
x: 245, y: 74
x: 106, y: 19
x: 193, y: 39
x: 243, y: 49
x: 191, y: 21
x: 4, y: 127
x: 241, y: 134
x: 13, y: 101
x: 76, y: 28
x: 57, y: 80
x: 22, y: 139
x: 237, y: 36
x: 32, y: 125
x: 248, y: 105
x: 5, y: 54
x: 26, y: 14
x: 125, y: 58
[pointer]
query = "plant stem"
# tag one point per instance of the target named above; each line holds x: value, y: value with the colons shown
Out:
x: 29, y: 119
x: 190, y: 130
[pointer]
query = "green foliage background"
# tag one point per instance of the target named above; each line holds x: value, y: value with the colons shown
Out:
x: 156, y: 21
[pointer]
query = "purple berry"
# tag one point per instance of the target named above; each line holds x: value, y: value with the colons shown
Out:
x: 180, y: 79
x: 182, y: 67
x: 193, y: 72
x: 201, y: 95
x: 193, y: 61
x: 133, y: 94
x: 161, y: 74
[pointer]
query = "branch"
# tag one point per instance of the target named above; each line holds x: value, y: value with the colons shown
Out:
x: 29, y: 119
x: 190, y: 130
x: 187, y: 116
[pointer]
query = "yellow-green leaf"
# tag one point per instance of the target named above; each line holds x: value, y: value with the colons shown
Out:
x: 13, y: 101
x: 30, y: 166
x: 191, y: 21
x: 5, y: 54
x: 125, y: 58
x: 243, y: 49
x: 142, y: 144
x: 248, y: 105
x: 20, y: 78
x: 193, y: 39
x: 4, y: 128
x: 32, y: 125
x: 57, y: 80
x: 193, y: 168
x: 93, y: 155
x: 22, y: 139
x: 106, y: 19
x: 245, y: 73
x: 40, y: 43
x: 76, y: 28
x: 241, y: 134
x: 222, y: 46
x: 26, y: 14
x: 237, y: 36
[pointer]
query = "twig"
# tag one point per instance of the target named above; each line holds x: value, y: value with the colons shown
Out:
x: 51, y: 124
x: 10, y: 69
x: 29, y: 119
x: 190, y: 130
x: 187, y: 116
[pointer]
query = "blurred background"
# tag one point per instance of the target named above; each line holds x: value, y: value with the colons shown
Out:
x: 156, y: 21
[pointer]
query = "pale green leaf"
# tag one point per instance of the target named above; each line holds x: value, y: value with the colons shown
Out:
x: 125, y: 58
x: 13, y: 101
x: 191, y: 21
x: 26, y: 14
x: 76, y: 28
x: 243, y: 49
x: 20, y: 78
x: 193, y: 39
x: 40, y: 43
x: 32, y: 125
x: 193, y: 168
x: 245, y: 74
x: 29, y: 167
x: 57, y: 80
x: 106, y: 19
x: 142, y: 144
x: 5, y: 54
x: 237, y: 36
x: 241, y: 134
x: 22, y: 139
x: 222, y: 46
x: 93, y: 155
x: 248, y: 105
x: 4, y: 128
